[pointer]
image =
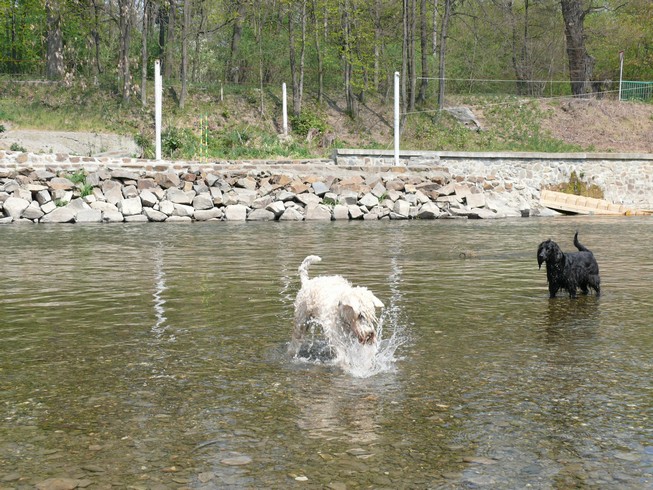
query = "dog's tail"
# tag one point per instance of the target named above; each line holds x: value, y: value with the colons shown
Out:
x: 303, y: 269
x: 579, y: 245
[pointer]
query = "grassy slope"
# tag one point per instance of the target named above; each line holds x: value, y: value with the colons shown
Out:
x: 236, y: 128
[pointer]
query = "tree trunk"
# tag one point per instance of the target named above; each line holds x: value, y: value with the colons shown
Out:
x: 448, y: 7
x: 95, y: 34
x: 144, y: 58
x: 350, y: 96
x: 170, y: 40
x: 434, y: 39
x: 297, y: 68
x: 233, y: 66
x: 54, y: 68
x: 409, y: 50
x: 318, y: 52
x: 581, y: 64
x: 124, y: 23
x: 423, y: 38
x: 198, y: 35
x: 184, y: 54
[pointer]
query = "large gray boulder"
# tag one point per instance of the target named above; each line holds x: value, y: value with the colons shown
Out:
x: 14, y: 206
x: 64, y: 214
x: 291, y: 214
x: 88, y: 216
x: 236, y: 212
x: 260, y: 215
x: 317, y: 212
x: 130, y: 207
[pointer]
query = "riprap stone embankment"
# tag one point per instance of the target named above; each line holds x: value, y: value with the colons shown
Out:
x: 65, y: 189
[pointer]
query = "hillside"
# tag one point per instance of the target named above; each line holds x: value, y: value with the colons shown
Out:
x: 32, y: 119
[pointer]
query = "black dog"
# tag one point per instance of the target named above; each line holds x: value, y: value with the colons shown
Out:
x: 569, y: 270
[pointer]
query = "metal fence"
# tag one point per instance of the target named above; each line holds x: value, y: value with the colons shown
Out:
x: 636, y: 90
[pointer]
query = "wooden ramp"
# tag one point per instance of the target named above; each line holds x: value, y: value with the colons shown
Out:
x: 570, y: 203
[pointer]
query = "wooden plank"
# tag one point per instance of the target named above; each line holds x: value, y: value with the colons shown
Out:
x: 571, y: 203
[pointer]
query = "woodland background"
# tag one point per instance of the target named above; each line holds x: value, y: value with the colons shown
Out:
x: 327, y: 51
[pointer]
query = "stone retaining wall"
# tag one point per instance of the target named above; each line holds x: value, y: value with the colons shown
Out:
x: 624, y: 178
x: 354, y: 185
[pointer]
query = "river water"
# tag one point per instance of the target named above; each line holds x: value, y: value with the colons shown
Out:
x: 154, y: 356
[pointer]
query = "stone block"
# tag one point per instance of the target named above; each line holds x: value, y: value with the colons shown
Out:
x: 33, y: 211
x: 236, y: 212
x: 203, y: 201
x: 475, y: 200
x: 148, y: 199
x: 88, y: 216
x: 154, y: 215
x: 62, y: 214
x: 260, y: 214
x: 369, y: 200
x: 130, y: 207
x: 291, y: 214
x: 183, y: 210
x: 208, y: 214
x: 317, y: 212
x: 14, y: 206
x: 340, y: 212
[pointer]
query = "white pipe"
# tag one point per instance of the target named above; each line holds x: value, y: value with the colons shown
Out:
x: 285, y: 110
x: 396, y: 118
x: 621, y: 71
x: 158, y: 97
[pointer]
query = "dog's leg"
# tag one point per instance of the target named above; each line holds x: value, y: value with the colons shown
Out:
x: 571, y: 288
x: 595, y: 284
x: 299, y: 330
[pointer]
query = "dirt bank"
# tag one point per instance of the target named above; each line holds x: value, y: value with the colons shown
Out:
x: 72, y: 143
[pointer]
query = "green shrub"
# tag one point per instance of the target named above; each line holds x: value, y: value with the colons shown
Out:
x: 78, y: 177
x: 307, y: 121
x: 146, y: 144
x: 17, y: 147
x: 179, y: 143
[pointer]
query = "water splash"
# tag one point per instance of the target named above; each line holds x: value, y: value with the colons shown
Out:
x: 352, y: 357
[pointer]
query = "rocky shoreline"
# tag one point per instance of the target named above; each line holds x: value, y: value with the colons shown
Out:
x: 96, y: 193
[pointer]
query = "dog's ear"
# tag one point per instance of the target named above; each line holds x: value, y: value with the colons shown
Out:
x: 560, y: 257
x: 540, y: 259
x: 347, y: 312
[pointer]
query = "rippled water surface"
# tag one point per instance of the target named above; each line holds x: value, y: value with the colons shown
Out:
x: 154, y: 356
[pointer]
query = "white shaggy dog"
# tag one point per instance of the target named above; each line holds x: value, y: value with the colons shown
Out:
x: 345, y: 312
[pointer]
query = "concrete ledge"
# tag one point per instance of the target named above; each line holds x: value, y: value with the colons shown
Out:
x: 342, y: 153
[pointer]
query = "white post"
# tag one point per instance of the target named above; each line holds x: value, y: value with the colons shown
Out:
x: 621, y: 71
x: 396, y: 118
x: 158, y: 97
x: 285, y: 110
